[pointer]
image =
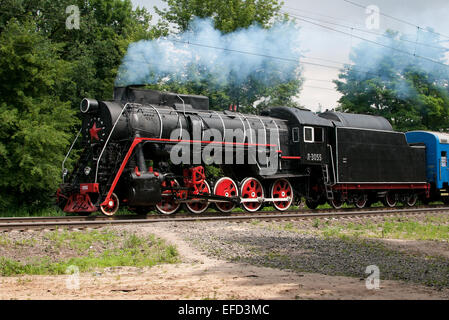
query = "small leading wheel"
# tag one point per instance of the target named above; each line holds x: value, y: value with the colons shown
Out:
x: 251, y: 188
x: 226, y: 187
x: 168, y: 204
x: 390, y: 200
x: 411, y: 200
x: 361, y: 201
x: 200, y: 206
x: 282, y: 188
x: 111, y: 207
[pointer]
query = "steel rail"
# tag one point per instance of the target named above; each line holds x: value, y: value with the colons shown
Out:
x: 72, y: 222
x: 208, y: 213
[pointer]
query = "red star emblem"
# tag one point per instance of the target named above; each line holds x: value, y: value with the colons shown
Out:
x: 94, y: 132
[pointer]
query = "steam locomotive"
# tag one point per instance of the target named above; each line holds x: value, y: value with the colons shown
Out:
x: 148, y: 149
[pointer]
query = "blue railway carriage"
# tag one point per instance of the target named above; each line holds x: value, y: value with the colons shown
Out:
x: 437, y: 171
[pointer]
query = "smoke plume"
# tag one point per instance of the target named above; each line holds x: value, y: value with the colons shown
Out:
x: 399, y: 54
x: 203, y: 51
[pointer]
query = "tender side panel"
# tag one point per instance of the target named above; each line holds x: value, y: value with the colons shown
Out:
x: 367, y: 156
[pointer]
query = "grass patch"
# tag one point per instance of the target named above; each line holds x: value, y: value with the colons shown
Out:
x: 349, y: 206
x: 396, y: 228
x: 432, y: 228
x: 94, y: 249
x: 405, y: 228
x: 25, y: 212
x: 417, y: 230
x: 80, y: 240
x: 4, y: 241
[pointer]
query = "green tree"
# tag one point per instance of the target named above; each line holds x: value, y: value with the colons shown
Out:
x: 409, y: 91
x: 35, y: 125
x: 96, y: 49
x: 229, y: 16
x: 45, y: 70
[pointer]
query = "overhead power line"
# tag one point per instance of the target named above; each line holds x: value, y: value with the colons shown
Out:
x: 291, y: 60
x: 365, y: 31
x: 315, y: 13
x: 397, y: 19
x: 321, y: 88
x: 372, y: 41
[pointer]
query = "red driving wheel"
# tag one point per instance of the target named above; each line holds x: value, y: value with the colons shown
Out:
x: 226, y: 187
x: 168, y: 205
x: 282, y: 188
x: 201, y: 205
x: 251, y: 188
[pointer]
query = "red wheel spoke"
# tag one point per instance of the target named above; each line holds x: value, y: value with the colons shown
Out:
x: 282, y: 189
x: 251, y: 189
x: 225, y: 187
x: 200, y: 206
x: 168, y: 205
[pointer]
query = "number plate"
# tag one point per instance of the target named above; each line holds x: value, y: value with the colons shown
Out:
x: 314, y: 157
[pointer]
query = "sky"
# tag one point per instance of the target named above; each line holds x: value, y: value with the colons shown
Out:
x: 324, y: 46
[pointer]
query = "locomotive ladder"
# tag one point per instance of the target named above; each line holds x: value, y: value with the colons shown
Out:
x: 327, y: 182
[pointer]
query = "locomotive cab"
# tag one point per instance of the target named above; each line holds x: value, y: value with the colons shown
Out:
x: 308, y: 136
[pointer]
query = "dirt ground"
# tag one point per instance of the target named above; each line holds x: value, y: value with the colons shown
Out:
x: 201, y: 277
x: 431, y: 248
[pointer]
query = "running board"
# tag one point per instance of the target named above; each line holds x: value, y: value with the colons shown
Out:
x: 219, y: 199
x: 260, y: 200
x: 257, y: 200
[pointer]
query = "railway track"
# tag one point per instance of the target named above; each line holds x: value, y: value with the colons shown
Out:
x: 79, y: 222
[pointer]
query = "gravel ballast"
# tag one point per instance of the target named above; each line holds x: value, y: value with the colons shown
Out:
x: 264, y: 245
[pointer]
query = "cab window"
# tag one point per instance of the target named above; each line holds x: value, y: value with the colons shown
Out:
x: 313, y: 135
x: 308, y: 134
x: 295, y: 134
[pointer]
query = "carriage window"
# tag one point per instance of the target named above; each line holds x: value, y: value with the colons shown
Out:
x: 444, y: 159
x: 308, y: 134
x: 295, y: 134
x: 319, y: 135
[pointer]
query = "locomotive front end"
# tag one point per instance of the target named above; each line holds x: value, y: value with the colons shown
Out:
x: 110, y: 158
x: 80, y: 190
